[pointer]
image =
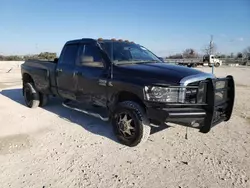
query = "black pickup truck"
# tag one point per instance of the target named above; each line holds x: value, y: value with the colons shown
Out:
x: 125, y: 83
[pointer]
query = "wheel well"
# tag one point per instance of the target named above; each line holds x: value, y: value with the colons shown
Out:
x: 27, y: 78
x: 127, y: 96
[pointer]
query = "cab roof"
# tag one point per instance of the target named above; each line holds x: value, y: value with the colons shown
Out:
x: 94, y: 40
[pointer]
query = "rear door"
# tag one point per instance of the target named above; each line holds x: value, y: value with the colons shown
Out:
x: 66, y: 81
x: 92, y: 76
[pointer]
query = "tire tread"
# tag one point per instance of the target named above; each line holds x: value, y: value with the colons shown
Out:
x: 140, y: 113
x: 36, y: 101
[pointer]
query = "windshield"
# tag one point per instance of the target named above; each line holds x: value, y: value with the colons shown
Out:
x: 127, y: 53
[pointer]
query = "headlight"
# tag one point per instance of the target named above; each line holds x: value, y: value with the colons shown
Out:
x: 163, y: 94
x: 191, y: 95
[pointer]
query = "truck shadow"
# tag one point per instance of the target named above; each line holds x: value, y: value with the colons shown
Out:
x: 89, y: 123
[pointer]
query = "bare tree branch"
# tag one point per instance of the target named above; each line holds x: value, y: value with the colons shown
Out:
x: 246, y: 52
x: 190, y: 53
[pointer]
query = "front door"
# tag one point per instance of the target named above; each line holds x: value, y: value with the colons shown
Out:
x: 212, y: 61
x: 66, y: 80
x: 92, y: 74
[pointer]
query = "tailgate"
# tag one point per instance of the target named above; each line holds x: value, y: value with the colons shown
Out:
x: 220, y: 101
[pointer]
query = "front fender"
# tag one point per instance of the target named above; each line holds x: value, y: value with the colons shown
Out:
x: 119, y: 87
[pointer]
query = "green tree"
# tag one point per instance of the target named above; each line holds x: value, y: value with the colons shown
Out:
x: 176, y: 56
x: 47, y: 55
x: 13, y: 58
x: 222, y: 56
x: 1, y: 58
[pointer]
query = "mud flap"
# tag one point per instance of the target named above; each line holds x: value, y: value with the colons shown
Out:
x: 220, y: 102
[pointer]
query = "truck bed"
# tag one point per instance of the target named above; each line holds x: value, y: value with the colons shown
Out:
x: 184, y: 61
x: 43, y: 74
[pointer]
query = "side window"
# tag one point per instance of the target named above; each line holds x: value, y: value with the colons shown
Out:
x: 91, y: 56
x: 69, y: 54
x: 138, y: 54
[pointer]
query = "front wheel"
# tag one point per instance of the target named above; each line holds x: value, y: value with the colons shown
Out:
x: 194, y: 65
x: 130, y: 123
x: 217, y: 64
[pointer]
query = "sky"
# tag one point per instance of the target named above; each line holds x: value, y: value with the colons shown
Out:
x: 163, y: 26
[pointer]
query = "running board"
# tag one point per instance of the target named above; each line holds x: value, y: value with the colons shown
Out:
x: 86, y: 112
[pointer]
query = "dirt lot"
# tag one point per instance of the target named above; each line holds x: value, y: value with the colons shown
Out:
x: 57, y: 147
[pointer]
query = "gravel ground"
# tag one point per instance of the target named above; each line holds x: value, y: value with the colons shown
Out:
x: 57, y: 147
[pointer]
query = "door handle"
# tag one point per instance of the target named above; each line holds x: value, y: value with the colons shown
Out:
x: 59, y: 70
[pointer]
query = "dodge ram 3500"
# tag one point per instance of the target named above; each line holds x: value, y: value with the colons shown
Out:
x: 126, y: 84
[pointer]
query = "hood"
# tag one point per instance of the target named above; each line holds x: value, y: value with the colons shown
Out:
x: 158, y: 72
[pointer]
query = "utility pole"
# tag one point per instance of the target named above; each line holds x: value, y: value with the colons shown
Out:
x: 211, y: 45
x: 211, y: 49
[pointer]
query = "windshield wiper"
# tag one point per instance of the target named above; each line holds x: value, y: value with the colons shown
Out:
x: 147, y: 61
x: 136, y: 62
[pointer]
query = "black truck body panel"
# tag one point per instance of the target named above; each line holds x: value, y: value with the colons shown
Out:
x: 103, y: 85
x: 43, y: 73
x: 157, y: 72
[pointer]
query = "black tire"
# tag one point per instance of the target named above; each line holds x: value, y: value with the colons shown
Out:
x: 194, y: 65
x: 216, y: 64
x: 43, y: 99
x: 139, y: 123
x: 31, y: 95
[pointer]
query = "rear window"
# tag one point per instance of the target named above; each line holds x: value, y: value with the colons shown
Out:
x: 69, y: 54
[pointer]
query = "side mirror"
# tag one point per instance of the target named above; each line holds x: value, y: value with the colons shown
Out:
x: 161, y: 59
x: 56, y: 60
